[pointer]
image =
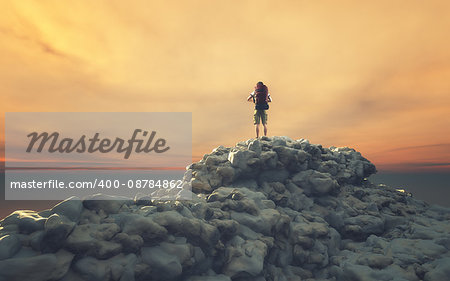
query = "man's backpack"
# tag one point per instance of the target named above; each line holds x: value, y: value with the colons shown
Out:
x: 261, y: 98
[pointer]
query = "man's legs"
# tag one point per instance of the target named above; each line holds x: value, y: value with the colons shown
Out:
x: 264, y: 121
x: 260, y: 116
x: 256, y: 121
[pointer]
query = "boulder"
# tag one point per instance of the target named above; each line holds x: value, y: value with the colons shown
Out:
x: 440, y: 271
x: 167, y: 259
x: 316, y: 183
x: 9, y: 246
x: 94, y: 240
x: 70, y: 208
x: 118, y: 267
x: 37, y: 268
x: 108, y: 203
x: 26, y: 221
x: 362, y: 226
x: 57, y: 228
x: 244, y: 258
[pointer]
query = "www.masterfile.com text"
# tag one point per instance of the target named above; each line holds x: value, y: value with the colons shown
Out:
x: 96, y: 183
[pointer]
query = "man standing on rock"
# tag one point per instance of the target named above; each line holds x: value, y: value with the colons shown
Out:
x: 261, y: 98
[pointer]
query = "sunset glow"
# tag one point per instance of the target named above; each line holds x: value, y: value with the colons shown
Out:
x: 368, y: 75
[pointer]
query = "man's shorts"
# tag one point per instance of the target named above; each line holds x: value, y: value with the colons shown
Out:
x: 260, y: 115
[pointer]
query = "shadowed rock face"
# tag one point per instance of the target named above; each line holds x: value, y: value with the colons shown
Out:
x: 266, y: 209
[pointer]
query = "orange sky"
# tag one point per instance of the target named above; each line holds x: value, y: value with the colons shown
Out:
x: 372, y: 75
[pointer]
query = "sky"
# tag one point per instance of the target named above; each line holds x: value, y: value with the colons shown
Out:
x: 372, y: 75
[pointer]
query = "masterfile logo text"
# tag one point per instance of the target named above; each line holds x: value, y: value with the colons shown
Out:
x: 96, y: 152
x: 96, y: 144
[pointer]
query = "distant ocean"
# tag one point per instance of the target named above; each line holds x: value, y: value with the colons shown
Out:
x: 433, y: 188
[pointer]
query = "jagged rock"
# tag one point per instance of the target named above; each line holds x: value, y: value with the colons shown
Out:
x: 167, y: 259
x: 440, y: 271
x: 35, y: 240
x: 244, y: 258
x: 134, y: 224
x: 261, y: 223
x: 94, y: 240
x: 266, y: 209
x: 409, y: 251
x: 362, y: 226
x: 377, y: 261
x: 130, y: 243
x: 309, y: 229
x: 70, y: 208
x: 216, y: 277
x: 361, y: 272
x: 107, y: 203
x: 92, y: 269
x: 227, y: 173
x: 241, y: 158
x: 26, y: 221
x: 315, y: 183
x: 119, y: 267
x: 255, y: 146
x: 9, y: 246
x: 37, y: 268
x: 57, y: 228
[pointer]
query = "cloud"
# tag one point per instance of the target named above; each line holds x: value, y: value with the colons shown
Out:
x: 44, y: 46
x: 427, y: 164
x: 424, y: 147
x: 368, y: 75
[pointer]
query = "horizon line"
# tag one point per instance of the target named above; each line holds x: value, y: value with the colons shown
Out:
x: 95, y: 168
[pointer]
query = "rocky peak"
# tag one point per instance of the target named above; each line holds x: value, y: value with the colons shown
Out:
x: 316, y: 169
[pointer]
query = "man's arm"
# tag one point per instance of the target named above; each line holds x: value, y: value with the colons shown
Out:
x: 250, y: 98
x: 269, y: 98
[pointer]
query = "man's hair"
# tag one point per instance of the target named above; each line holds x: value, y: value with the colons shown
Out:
x: 260, y: 83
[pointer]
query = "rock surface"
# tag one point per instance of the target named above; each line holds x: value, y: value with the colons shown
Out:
x: 266, y: 209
